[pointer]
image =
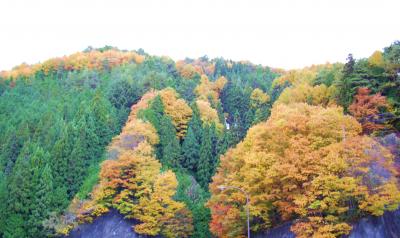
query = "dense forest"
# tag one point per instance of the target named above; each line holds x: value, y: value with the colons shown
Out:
x: 155, y: 139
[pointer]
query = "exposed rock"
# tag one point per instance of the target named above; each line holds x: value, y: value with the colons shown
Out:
x: 109, y: 225
x: 386, y: 226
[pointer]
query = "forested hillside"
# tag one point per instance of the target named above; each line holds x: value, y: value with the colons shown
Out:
x: 57, y: 118
x: 319, y: 160
x: 108, y: 129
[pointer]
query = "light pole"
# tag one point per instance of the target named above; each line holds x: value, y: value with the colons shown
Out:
x: 222, y: 188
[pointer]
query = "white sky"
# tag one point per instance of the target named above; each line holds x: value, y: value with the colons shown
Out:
x: 278, y: 33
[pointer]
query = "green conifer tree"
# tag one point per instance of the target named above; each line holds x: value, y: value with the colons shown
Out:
x: 169, y: 143
x: 205, y: 165
x: 190, y: 151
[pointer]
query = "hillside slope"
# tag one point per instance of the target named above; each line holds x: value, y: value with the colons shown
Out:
x: 320, y: 158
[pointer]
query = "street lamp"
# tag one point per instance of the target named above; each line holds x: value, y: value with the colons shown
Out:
x: 222, y: 188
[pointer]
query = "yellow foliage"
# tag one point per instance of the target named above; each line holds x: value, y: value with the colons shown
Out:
x: 141, y: 128
x: 294, y: 77
x: 177, y: 109
x: 197, y: 67
x: 157, y: 211
x: 187, y: 71
x: 376, y: 59
x: 208, y: 114
x: 219, y: 84
x: 258, y: 98
x: 207, y: 89
x: 307, y: 162
x: 305, y: 93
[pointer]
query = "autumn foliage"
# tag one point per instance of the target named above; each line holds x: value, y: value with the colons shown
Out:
x: 313, y: 95
x: 197, y: 67
x: 294, y: 77
x: 366, y: 108
x: 177, y: 109
x: 207, y: 89
x: 131, y: 181
x: 94, y: 59
x: 258, y: 98
x: 208, y: 114
x: 307, y: 163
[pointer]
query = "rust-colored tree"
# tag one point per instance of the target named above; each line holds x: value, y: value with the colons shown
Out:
x: 366, y: 109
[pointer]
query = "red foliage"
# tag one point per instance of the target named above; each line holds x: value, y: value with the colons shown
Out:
x: 365, y: 108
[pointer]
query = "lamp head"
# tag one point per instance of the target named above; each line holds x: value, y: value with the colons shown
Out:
x: 222, y: 187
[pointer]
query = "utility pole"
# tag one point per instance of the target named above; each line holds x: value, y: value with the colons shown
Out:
x: 222, y: 188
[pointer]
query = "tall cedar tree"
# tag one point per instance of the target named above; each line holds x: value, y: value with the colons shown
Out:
x: 190, y: 151
x: 205, y: 166
x: 214, y: 146
x: 192, y: 141
x: 30, y: 193
x: 171, y: 150
x: 345, y: 85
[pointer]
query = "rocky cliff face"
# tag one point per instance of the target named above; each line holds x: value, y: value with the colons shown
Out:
x: 114, y: 225
x: 109, y: 225
x: 386, y: 226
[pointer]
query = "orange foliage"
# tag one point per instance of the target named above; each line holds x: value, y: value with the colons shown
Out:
x: 187, y: 71
x: 365, y: 108
x: 131, y: 181
x: 77, y: 61
x: 142, y: 104
x: 299, y: 165
x: 197, y: 67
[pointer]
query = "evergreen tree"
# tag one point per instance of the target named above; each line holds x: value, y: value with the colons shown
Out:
x: 348, y: 68
x: 261, y: 114
x: 196, y: 123
x: 170, y: 147
x: 205, y: 165
x: 214, y: 148
x: 192, y: 141
x: 20, y: 189
x: 3, y: 201
x: 214, y: 139
x: 225, y: 142
x: 155, y: 113
x: 220, y: 111
x: 104, y: 124
x: 13, y: 146
x: 61, y: 151
x: 76, y: 167
x: 345, y: 84
x: 30, y: 192
x: 14, y: 226
x: 42, y: 193
x: 248, y: 120
x: 190, y: 151
x: 237, y: 129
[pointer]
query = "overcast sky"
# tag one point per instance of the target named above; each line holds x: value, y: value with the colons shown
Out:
x: 278, y: 33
